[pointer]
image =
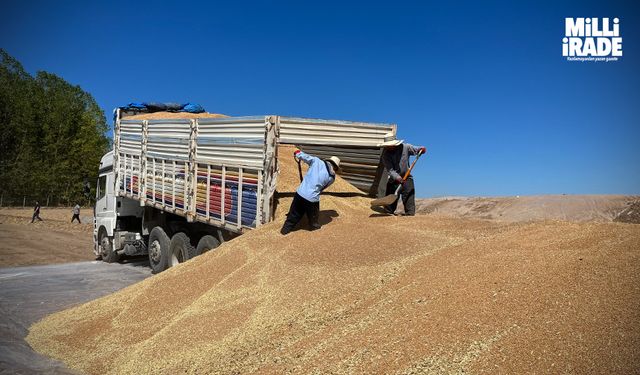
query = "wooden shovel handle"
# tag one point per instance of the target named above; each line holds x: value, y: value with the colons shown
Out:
x: 406, y: 175
x: 299, y: 168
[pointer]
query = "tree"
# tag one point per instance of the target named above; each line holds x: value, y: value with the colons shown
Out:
x: 52, y: 135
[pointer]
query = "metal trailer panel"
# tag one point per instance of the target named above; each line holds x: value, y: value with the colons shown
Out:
x: 232, y: 141
x: 168, y: 139
x: 360, y: 166
x: 217, y: 171
x: 130, y: 136
x: 355, y: 143
x: 223, y: 171
x: 303, y: 131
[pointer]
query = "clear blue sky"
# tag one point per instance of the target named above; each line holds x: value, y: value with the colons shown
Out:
x: 483, y: 86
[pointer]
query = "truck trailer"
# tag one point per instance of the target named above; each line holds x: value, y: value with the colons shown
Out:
x: 174, y: 188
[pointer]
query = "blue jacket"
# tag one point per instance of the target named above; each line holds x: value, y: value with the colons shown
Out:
x: 317, y: 178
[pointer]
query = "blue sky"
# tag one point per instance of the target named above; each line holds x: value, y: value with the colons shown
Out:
x: 483, y: 86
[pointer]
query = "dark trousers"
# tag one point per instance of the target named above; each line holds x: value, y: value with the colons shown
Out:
x: 36, y: 215
x: 408, y: 194
x: 76, y: 216
x: 300, y: 207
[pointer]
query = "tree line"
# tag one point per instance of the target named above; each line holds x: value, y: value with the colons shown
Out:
x: 52, y: 136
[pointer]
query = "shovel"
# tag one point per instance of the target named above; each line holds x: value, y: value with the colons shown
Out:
x: 299, y: 168
x: 391, y: 198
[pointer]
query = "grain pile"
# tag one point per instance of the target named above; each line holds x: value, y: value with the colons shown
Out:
x: 172, y: 115
x: 373, y: 294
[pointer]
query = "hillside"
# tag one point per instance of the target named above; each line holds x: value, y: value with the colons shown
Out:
x: 578, y: 208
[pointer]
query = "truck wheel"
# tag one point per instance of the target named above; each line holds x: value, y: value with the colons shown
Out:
x: 207, y: 243
x: 106, y: 250
x: 158, y: 250
x: 180, y: 249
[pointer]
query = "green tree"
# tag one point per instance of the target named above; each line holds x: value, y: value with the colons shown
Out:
x: 52, y: 135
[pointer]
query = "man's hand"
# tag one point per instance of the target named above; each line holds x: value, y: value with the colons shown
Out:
x: 399, y: 180
x: 422, y: 150
x: 296, y: 152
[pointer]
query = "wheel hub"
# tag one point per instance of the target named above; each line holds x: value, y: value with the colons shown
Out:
x: 154, y: 251
x: 104, y: 247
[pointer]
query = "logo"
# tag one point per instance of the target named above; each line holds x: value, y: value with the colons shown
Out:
x: 592, y: 39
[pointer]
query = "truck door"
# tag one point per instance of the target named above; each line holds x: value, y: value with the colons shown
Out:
x: 101, y: 196
x: 105, y: 202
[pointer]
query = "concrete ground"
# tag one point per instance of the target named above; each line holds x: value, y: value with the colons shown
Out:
x: 28, y: 294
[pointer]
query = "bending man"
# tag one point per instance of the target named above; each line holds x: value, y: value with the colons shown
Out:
x: 395, y: 158
x: 320, y: 175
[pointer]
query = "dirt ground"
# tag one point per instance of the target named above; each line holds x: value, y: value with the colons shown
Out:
x: 369, y: 293
x: 578, y: 208
x: 54, y: 240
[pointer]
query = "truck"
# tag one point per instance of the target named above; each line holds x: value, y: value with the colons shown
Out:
x: 174, y: 188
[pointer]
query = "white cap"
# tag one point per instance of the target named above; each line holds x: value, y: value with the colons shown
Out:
x: 393, y: 142
x: 335, y: 160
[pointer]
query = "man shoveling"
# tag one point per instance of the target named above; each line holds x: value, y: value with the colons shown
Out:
x: 395, y: 158
x: 320, y: 175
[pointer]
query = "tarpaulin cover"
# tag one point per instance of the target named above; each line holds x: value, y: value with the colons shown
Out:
x: 192, y: 108
x: 161, y: 107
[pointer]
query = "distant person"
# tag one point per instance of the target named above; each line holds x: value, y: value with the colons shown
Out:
x: 320, y: 175
x: 395, y: 157
x: 36, y: 212
x: 76, y: 213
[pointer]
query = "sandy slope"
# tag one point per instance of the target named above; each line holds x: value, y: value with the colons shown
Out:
x: 367, y: 293
x: 54, y: 240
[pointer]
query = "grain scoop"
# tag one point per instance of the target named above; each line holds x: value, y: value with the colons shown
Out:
x: 391, y: 198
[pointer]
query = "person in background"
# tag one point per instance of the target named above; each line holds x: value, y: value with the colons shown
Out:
x: 76, y: 213
x: 395, y: 157
x: 36, y: 213
x: 320, y: 175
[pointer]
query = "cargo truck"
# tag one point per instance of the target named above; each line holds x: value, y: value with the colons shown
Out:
x: 174, y: 188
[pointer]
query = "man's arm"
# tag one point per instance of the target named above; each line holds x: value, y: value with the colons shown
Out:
x: 305, y: 157
x: 413, y: 150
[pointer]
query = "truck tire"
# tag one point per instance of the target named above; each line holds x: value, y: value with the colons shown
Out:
x: 107, y: 253
x: 180, y: 249
x: 158, y: 250
x: 207, y: 243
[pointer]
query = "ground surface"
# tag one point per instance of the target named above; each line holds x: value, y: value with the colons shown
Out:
x: 54, y: 240
x: 578, y: 208
x: 27, y: 294
x: 368, y: 294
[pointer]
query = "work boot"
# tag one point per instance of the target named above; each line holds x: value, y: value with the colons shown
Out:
x: 387, y: 210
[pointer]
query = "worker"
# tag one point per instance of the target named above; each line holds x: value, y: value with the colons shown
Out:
x: 36, y: 212
x: 76, y: 213
x: 320, y: 175
x: 395, y: 158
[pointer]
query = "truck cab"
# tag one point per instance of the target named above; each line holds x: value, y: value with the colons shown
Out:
x: 123, y: 226
x: 113, y: 216
x: 104, y: 211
